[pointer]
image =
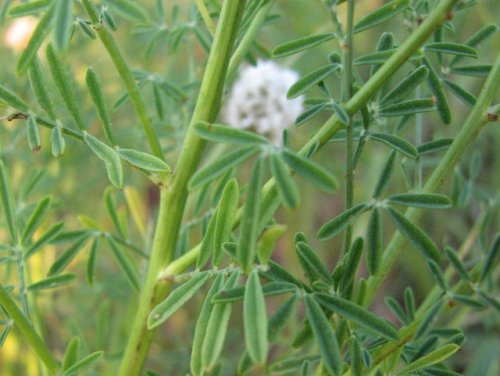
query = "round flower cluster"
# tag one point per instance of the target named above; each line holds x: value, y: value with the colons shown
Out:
x: 258, y: 100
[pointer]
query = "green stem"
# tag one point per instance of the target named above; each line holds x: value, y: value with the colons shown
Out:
x: 205, y: 14
x: 28, y: 331
x: 468, y: 134
x: 348, y: 47
x: 128, y: 79
x: 173, y: 198
x: 21, y: 281
x: 247, y: 40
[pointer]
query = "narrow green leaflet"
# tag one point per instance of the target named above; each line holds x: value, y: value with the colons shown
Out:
x: 110, y: 158
x: 33, y: 134
x: 7, y: 200
x: 420, y: 240
x: 350, y: 263
x: 86, y: 29
x: 255, y: 320
x: 36, y: 218
x: 225, y: 216
x: 311, y: 79
x: 126, y: 263
x: 39, y: 34
x: 280, y: 317
x: 457, y: 264
x: 437, y: 89
x: 457, y: 49
x: 421, y: 200
x: 176, y: 300
x: 465, y: 96
x: 385, y: 175
x: 71, y: 354
x: 40, y: 88
x: 44, y: 239
x: 57, y: 141
x: 86, y: 362
x: 340, y: 112
x: 433, y: 357
x: 374, y: 242
x: 110, y: 203
x: 405, y: 87
x: 286, y: 186
x: 227, y: 134
x: 437, y: 274
x: 269, y: 289
x: 301, y: 44
x: 91, y: 262
x: 311, y: 171
x: 67, y: 256
x: 337, y: 224
x: 491, y: 258
x: 63, y: 23
x: 64, y: 86
x: 478, y: 70
x: 309, y: 113
x: 28, y: 9
x: 358, y: 314
x: 213, y: 170
x: 289, y: 365
x: 382, y: 14
x: 325, y: 337
x: 95, y: 90
x: 202, y: 324
x: 397, y: 143
x: 409, y: 107
x: 215, y: 333
x: 207, y: 243
x: 435, y: 145
x: 268, y: 240
x: 143, y: 160
x: 53, y: 282
x: 12, y: 99
x: 250, y: 218
x: 379, y: 57
x: 311, y: 263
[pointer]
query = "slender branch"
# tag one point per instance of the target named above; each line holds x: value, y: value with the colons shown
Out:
x: 467, y: 135
x: 127, y: 77
x: 247, y: 40
x: 348, y: 47
x: 28, y: 331
x: 173, y: 198
x: 205, y: 14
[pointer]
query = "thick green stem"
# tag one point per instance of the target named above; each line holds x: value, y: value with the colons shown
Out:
x: 467, y: 135
x: 28, y: 331
x: 173, y: 197
x: 127, y: 77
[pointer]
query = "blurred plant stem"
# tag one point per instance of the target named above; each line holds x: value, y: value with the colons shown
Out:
x: 348, y: 48
x: 173, y: 197
x: 127, y: 77
x: 28, y: 331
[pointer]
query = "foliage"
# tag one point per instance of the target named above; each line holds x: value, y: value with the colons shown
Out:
x: 207, y: 215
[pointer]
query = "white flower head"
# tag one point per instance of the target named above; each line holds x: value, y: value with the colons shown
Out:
x: 258, y: 100
x: 19, y: 33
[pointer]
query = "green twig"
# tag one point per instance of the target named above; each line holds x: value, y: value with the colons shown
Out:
x: 173, y: 198
x: 28, y: 331
x: 348, y: 47
x: 127, y: 77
